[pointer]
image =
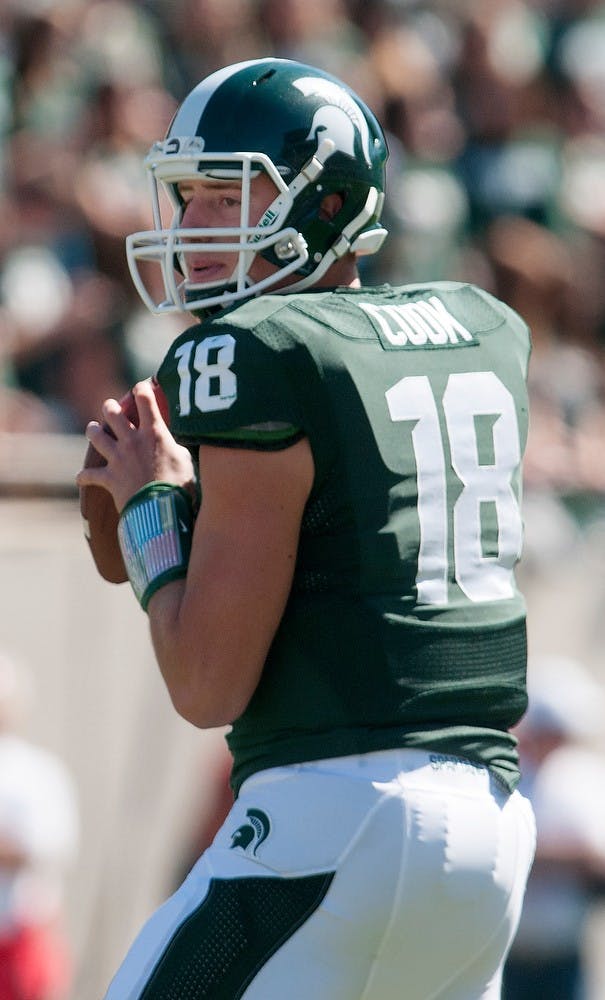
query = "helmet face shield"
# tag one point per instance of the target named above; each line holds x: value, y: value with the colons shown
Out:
x: 171, y: 247
x: 305, y: 131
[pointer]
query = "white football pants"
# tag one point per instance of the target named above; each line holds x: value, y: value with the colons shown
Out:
x: 396, y: 875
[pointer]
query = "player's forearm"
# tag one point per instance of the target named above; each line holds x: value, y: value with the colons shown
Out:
x: 216, y: 587
x: 209, y: 668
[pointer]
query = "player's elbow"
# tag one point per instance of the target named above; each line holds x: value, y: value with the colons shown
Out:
x: 211, y: 673
x: 201, y: 714
x: 207, y: 703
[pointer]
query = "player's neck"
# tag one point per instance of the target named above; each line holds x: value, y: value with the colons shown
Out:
x: 342, y: 274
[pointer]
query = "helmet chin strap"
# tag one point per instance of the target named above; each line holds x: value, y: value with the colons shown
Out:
x: 240, y: 286
x: 312, y: 169
x: 363, y: 244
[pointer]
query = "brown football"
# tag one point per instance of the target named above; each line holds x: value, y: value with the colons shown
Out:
x: 97, y: 507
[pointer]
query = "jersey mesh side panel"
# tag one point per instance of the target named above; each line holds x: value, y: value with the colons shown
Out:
x: 218, y: 950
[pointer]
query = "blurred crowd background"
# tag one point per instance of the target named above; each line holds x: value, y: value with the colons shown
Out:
x: 495, y: 118
x: 495, y: 115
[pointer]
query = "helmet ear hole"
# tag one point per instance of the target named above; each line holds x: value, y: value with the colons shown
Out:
x: 331, y: 206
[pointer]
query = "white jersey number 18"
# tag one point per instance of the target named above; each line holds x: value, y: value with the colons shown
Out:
x: 467, y: 396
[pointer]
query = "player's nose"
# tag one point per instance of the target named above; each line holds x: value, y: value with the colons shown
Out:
x: 193, y: 216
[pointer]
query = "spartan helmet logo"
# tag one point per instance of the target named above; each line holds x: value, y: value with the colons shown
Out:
x: 339, y: 119
x: 252, y: 834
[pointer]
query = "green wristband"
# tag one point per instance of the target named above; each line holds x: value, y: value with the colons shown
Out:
x: 154, y: 533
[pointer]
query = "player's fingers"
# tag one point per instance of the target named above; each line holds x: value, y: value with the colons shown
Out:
x: 101, y: 438
x: 146, y: 403
x: 115, y: 420
x: 92, y: 476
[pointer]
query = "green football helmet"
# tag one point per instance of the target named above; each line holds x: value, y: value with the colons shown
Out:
x: 313, y: 137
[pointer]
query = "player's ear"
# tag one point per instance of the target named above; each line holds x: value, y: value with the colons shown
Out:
x: 330, y: 206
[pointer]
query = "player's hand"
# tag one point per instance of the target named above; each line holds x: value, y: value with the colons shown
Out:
x: 135, y: 455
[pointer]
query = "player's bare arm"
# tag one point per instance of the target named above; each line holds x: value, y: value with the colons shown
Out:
x: 212, y: 631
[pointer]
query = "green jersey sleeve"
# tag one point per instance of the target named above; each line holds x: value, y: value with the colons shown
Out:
x: 224, y: 385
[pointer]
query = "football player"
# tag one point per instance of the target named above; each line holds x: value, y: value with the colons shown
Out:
x: 324, y: 539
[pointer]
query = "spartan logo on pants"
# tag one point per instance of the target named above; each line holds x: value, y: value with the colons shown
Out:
x: 249, y: 836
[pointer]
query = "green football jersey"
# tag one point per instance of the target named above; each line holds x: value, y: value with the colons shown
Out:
x: 404, y: 626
